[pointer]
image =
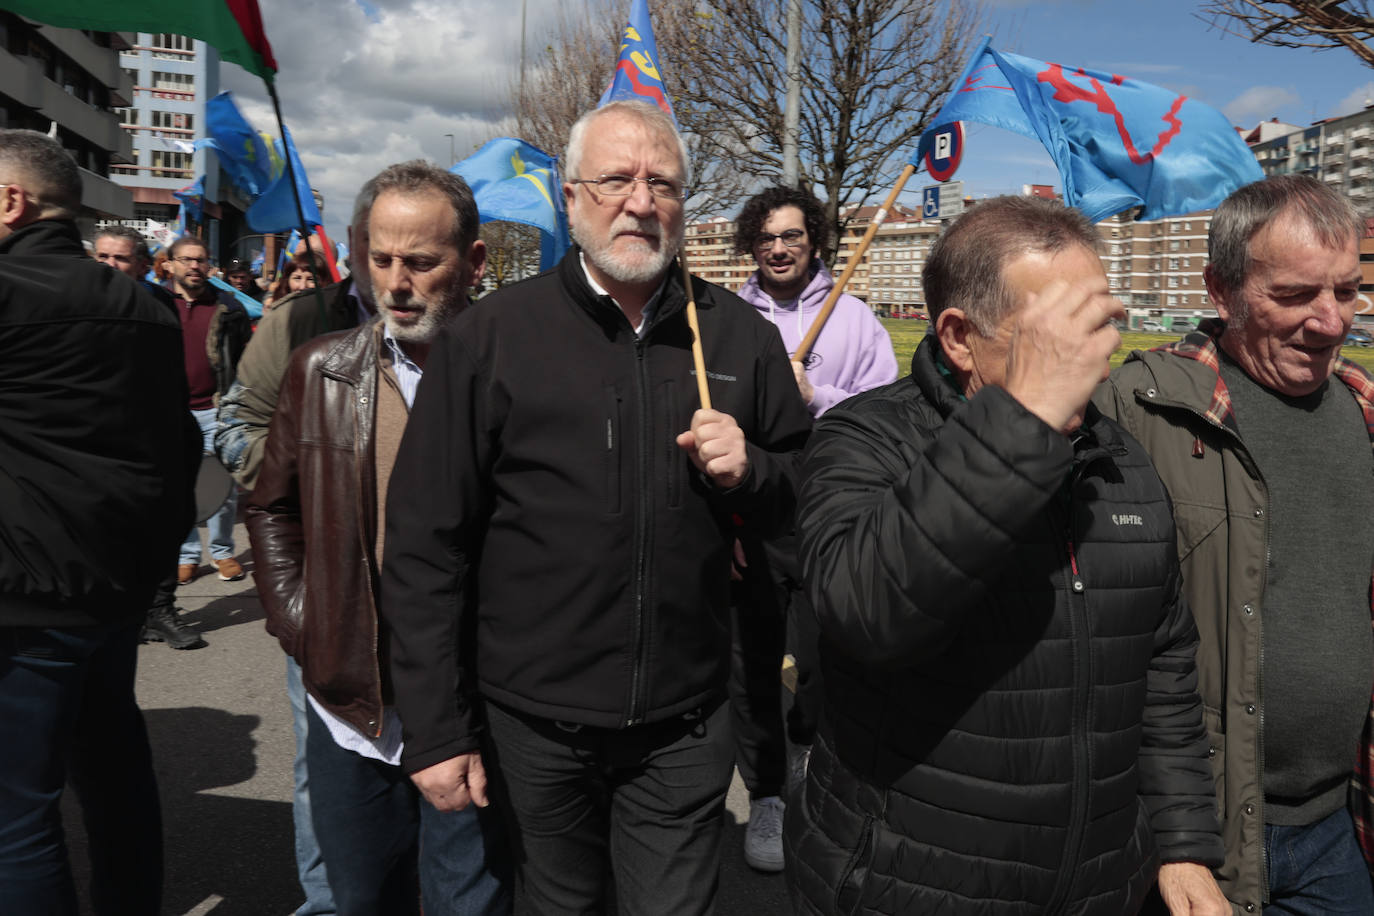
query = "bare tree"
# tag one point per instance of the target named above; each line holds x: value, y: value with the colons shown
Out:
x: 874, y: 72
x: 1299, y: 23
x: 512, y: 253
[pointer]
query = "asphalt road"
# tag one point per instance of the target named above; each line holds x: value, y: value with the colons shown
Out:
x: 220, y: 728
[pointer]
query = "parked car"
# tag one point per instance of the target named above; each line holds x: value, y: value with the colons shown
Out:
x: 1150, y: 326
x: 1358, y: 337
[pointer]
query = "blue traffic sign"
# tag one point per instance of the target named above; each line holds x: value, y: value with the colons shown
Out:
x: 930, y: 202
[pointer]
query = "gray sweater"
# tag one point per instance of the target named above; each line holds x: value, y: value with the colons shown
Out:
x: 1318, y: 652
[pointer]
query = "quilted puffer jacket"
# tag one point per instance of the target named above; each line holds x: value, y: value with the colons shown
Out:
x: 1012, y: 724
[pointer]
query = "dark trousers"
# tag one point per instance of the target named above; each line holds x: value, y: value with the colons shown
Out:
x: 384, y: 846
x: 645, y: 804
x: 68, y: 708
x: 166, y: 594
x: 770, y: 610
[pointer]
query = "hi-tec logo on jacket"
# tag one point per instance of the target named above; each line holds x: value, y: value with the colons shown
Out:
x: 1127, y: 520
x: 715, y: 375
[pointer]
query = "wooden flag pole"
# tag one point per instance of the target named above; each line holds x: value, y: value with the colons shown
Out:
x: 804, y: 348
x: 698, y: 359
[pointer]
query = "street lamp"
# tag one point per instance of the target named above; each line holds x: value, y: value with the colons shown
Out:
x: 452, y: 160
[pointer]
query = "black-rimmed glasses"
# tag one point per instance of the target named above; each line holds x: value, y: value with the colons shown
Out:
x: 792, y: 238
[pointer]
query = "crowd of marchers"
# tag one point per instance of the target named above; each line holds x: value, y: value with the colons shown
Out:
x: 1066, y: 641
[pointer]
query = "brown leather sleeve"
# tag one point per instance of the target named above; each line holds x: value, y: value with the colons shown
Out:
x: 273, y: 515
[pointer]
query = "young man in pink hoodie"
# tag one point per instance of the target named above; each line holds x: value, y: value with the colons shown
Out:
x: 786, y: 232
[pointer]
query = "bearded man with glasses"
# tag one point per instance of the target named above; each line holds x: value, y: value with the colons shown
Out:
x: 215, y: 329
x: 555, y: 578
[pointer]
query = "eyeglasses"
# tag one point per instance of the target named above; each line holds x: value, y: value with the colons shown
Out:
x: 624, y: 186
x: 186, y: 260
x: 792, y: 238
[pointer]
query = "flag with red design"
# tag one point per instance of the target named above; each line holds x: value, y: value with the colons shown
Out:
x: 1118, y: 143
x: 636, y: 70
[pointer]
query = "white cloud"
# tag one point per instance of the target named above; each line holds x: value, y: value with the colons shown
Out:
x: 1260, y: 103
x: 366, y: 85
x: 1358, y: 98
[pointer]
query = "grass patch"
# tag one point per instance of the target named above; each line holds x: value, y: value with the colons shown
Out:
x: 906, y: 334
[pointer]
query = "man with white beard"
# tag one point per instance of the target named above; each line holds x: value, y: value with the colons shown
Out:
x: 316, y: 518
x: 557, y: 565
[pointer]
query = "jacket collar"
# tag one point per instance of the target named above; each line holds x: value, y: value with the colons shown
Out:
x: 354, y: 353
x: 1201, y: 346
x: 45, y: 237
x: 604, y: 309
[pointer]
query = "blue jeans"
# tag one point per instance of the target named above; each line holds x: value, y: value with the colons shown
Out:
x: 384, y: 846
x: 319, y: 901
x: 1317, y: 870
x: 221, y: 524
x: 68, y: 708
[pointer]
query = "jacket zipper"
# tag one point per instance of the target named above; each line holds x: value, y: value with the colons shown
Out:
x: 642, y: 498
x: 1082, y: 714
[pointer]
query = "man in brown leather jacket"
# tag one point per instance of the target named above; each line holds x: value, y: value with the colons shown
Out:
x: 316, y: 524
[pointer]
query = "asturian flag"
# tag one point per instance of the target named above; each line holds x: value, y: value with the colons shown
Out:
x: 275, y: 210
x: 245, y: 154
x: 636, y: 70
x: 516, y: 182
x: 1119, y: 143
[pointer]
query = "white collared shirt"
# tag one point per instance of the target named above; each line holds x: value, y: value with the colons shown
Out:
x: 649, y: 307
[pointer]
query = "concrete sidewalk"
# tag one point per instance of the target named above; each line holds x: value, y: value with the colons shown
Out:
x: 220, y: 727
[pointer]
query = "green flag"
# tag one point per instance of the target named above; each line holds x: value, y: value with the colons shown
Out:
x: 232, y: 27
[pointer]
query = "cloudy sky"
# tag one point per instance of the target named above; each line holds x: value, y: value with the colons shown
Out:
x: 365, y: 83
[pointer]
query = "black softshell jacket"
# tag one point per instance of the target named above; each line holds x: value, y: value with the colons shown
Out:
x: 1012, y: 724
x: 547, y: 542
x: 98, y: 452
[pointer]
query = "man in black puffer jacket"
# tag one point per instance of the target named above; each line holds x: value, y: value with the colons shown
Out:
x: 1012, y: 723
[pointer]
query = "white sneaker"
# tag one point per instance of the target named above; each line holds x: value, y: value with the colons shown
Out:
x: 763, y: 836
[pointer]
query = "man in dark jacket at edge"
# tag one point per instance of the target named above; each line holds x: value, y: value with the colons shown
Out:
x: 1262, y: 433
x: 97, y: 463
x: 1012, y: 721
x: 556, y: 568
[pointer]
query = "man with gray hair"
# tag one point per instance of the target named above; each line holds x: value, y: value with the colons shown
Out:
x: 1268, y: 463
x: 316, y: 519
x: 558, y: 561
x: 1012, y: 719
x: 97, y: 463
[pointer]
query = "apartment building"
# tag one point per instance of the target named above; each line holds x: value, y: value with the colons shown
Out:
x: 69, y: 81
x: 173, y: 76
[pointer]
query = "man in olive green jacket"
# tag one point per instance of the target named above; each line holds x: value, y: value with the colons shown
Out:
x: 1268, y: 465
